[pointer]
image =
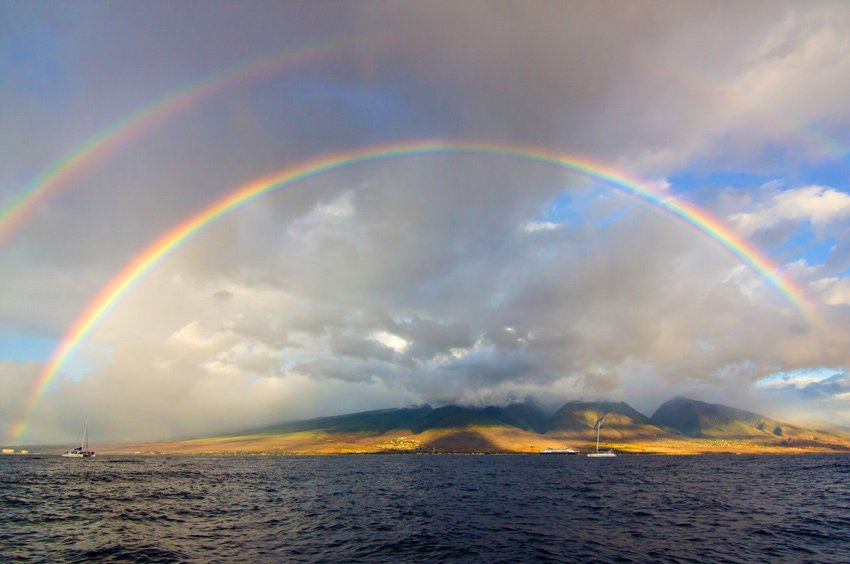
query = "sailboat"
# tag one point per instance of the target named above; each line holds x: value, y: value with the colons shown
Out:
x: 599, y: 453
x: 81, y: 451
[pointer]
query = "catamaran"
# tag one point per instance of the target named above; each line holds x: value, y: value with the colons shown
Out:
x: 81, y: 451
x: 551, y: 450
x: 600, y: 453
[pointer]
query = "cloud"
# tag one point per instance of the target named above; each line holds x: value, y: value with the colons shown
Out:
x: 535, y: 226
x: 406, y: 296
x: 833, y: 291
x: 394, y: 342
x: 223, y: 295
x: 818, y: 205
x: 837, y: 386
x: 812, y: 395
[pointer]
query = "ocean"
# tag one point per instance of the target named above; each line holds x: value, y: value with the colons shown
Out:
x: 410, y: 508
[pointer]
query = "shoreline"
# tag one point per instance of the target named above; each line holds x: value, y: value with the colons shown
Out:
x: 581, y: 455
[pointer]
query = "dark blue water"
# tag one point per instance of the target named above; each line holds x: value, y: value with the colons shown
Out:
x: 426, y: 507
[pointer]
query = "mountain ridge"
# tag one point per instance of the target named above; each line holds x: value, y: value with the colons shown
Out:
x: 696, y: 418
x: 680, y: 425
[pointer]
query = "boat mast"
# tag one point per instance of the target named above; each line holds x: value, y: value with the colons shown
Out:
x: 85, y: 445
x: 598, y: 425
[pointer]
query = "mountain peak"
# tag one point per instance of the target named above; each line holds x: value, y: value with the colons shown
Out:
x: 619, y: 418
x: 695, y: 418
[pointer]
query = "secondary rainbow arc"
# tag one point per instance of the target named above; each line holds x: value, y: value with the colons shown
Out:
x: 23, y: 204
x: 694, y: 216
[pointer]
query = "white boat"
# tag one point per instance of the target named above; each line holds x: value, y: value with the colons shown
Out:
x: 558, y: 451
x: 81, y: 451
x: 600, y: 453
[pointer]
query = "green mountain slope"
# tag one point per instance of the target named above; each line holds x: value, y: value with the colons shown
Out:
x: 417, y: 419
x: 620, y: 420
x: 377, y: 422
x: 694, y: 418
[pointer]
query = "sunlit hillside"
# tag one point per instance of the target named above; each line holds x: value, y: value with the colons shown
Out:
x: 455, y: 429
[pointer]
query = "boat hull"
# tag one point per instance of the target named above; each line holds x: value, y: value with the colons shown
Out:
x: 602, y: 455
x: 81, y: 451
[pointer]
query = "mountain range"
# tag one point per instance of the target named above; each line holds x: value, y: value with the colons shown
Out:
x: 679, y: 426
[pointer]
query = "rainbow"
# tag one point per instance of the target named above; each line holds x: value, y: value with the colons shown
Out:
x: 22, y: 205
x: 698, y: 219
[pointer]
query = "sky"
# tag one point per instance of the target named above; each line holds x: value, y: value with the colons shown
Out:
x: 447, y: 277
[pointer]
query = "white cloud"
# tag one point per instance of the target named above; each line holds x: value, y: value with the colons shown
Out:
x: 323, y: 218
x: 832, y: 291
x: 816, y: 395
x: 796, y: 378
x: 394, y: 342
x: 816, y: 204
x: 535, y: 226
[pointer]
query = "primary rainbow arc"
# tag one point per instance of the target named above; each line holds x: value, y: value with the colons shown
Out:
x: 697, y: 218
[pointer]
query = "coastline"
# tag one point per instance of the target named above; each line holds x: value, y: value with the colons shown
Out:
x: 474, y: 440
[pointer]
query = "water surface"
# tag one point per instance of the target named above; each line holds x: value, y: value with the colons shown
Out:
x: 426, y: 507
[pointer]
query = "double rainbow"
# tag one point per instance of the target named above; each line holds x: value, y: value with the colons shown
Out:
x: 698, y: 219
